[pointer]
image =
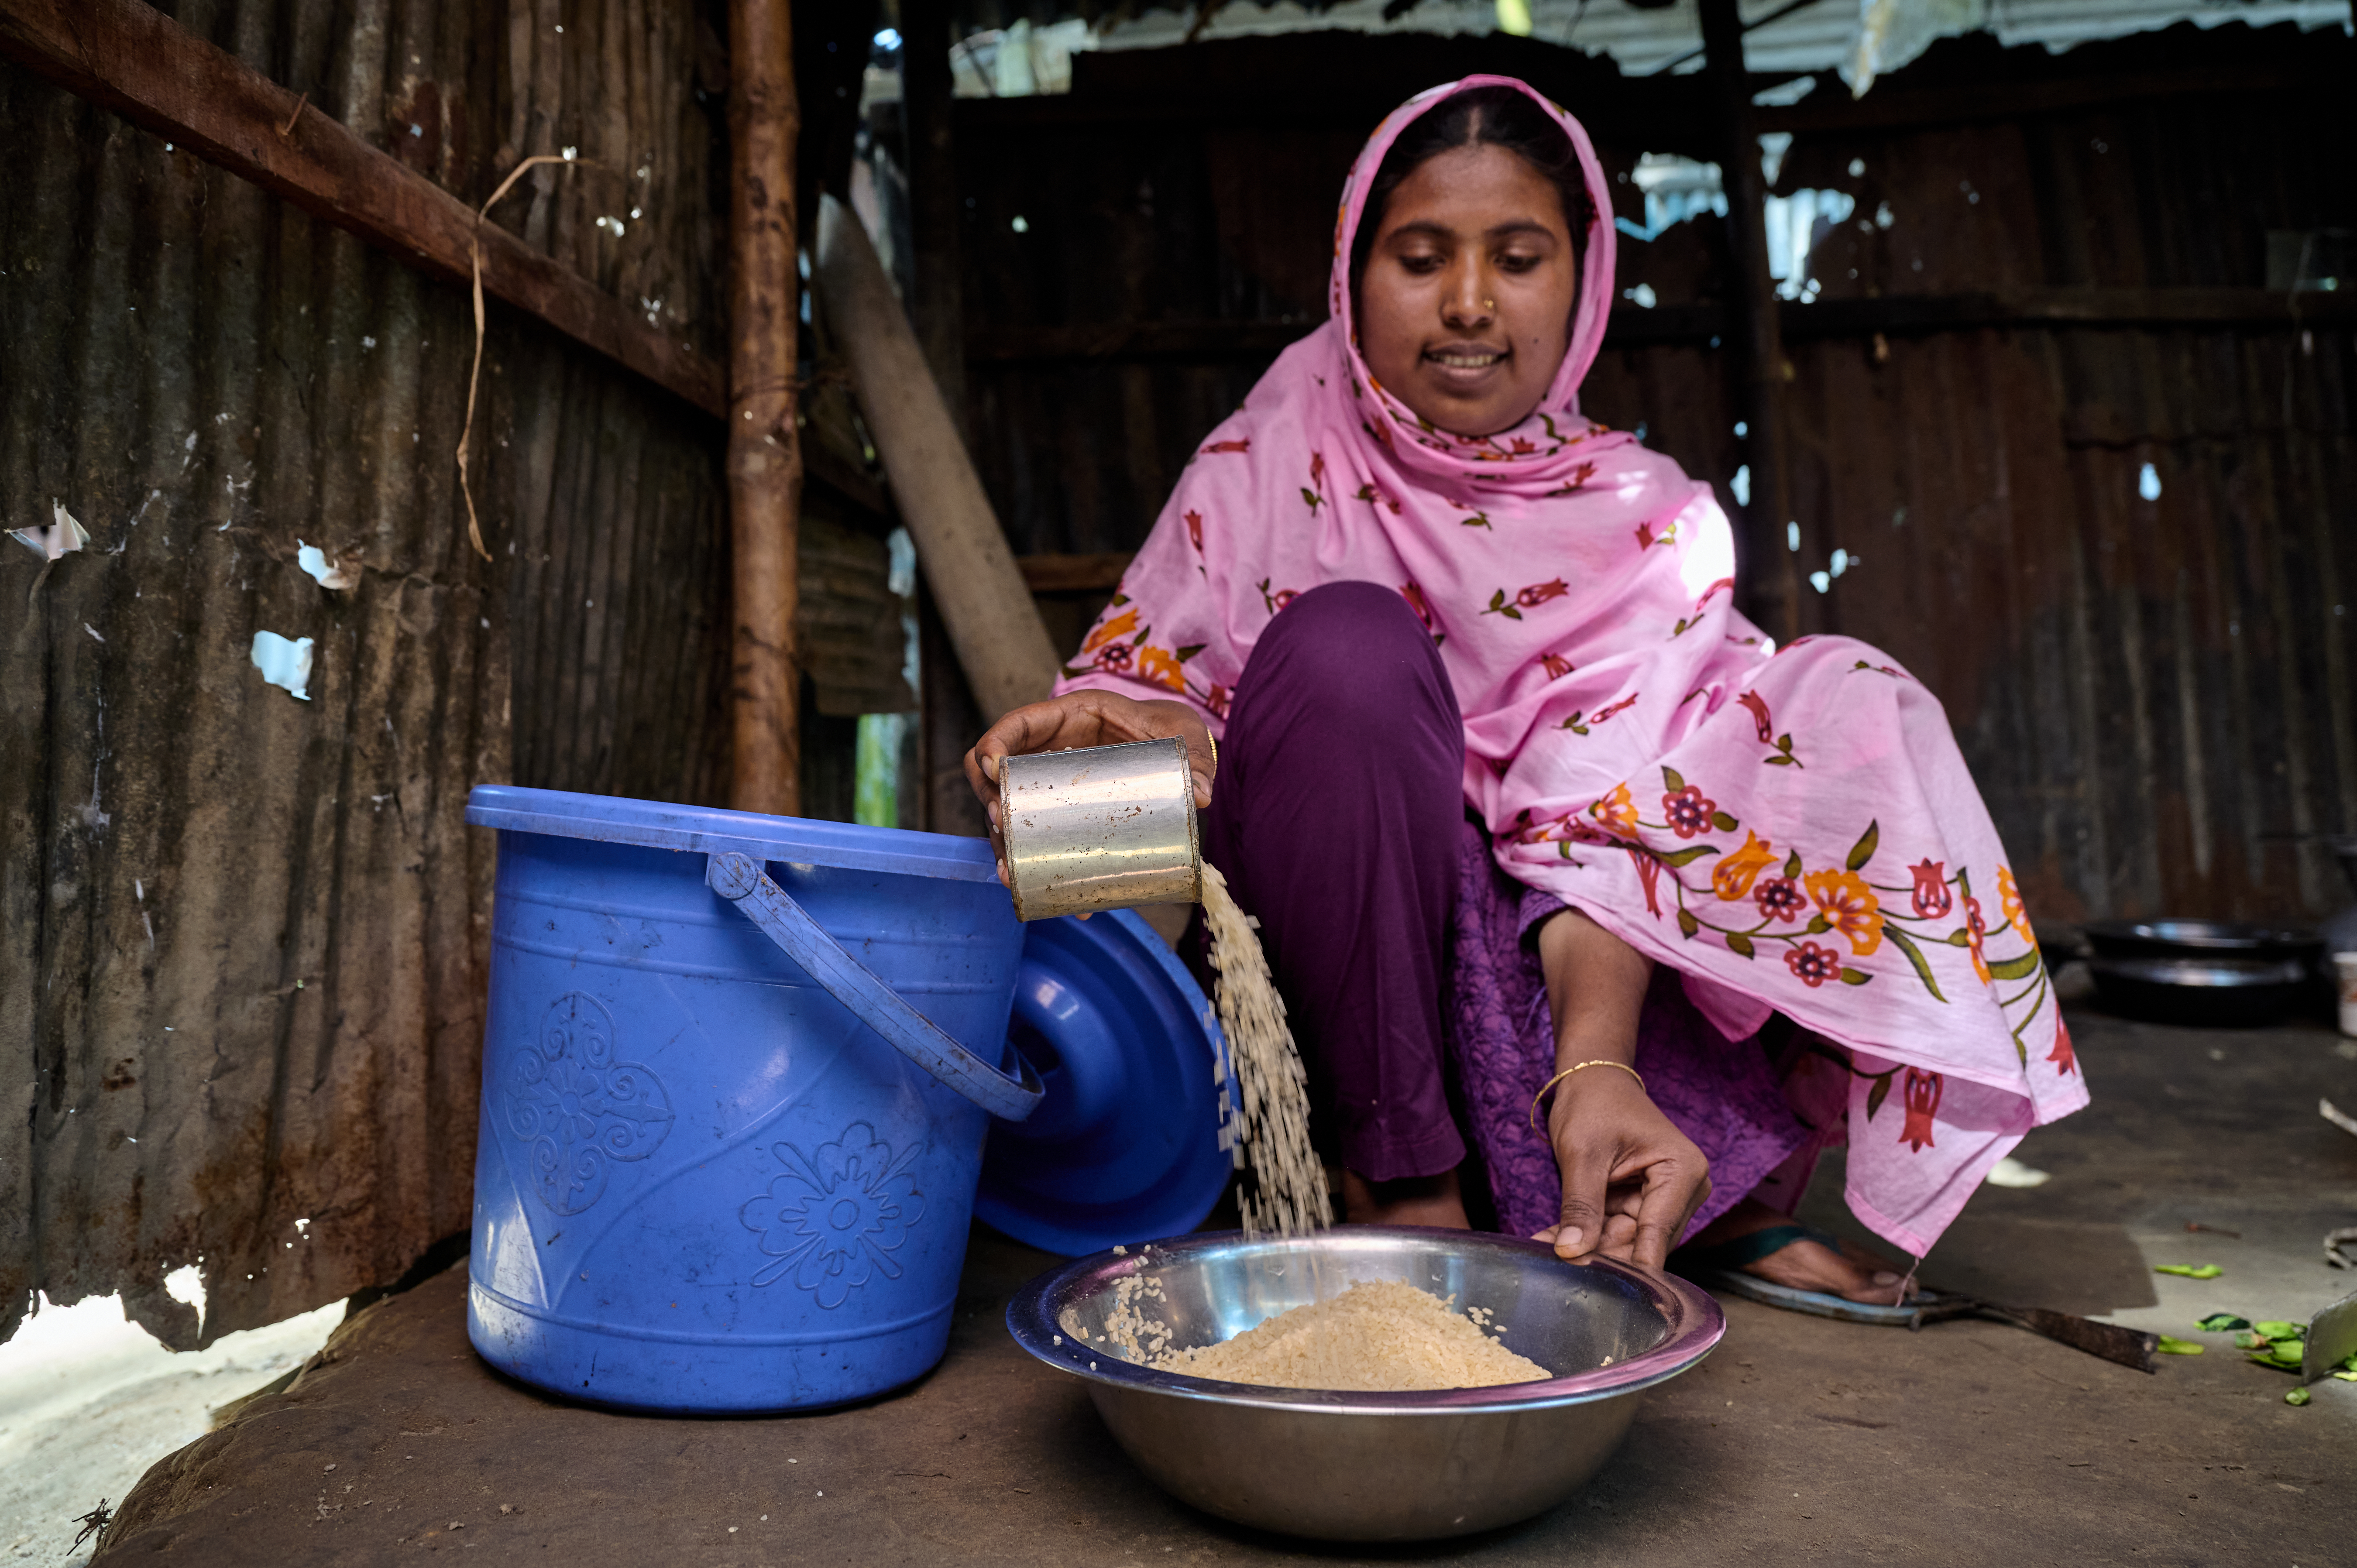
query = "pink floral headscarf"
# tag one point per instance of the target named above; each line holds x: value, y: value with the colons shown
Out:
x: 1792, y: 829
x: 1557, y: 414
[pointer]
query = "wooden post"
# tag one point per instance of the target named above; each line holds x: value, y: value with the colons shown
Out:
x: 1768, y: 571
x: 945, y: 722
x: 936, y: 213
x: 765, y: 469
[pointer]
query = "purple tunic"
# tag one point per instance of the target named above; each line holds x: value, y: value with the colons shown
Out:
x: 1408, y: 959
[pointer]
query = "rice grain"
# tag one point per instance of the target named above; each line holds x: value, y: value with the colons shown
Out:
x: 1268, y: 1134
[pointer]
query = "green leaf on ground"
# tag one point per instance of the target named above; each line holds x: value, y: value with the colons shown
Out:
x: 2190, y: 1271
x: 2170, y: 1346
x: 2221, y: 1323
x: 2282, y: 1357
x: 2278, y: 1328
x: 2297, y: 1396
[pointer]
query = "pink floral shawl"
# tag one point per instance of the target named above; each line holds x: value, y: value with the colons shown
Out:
x: 1791, y: 828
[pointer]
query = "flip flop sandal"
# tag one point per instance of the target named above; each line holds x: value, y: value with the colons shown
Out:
x: 1719, y: 1267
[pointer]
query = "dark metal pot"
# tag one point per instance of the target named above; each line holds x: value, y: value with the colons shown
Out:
x: 2182, y: 938
x: 2230, y: 991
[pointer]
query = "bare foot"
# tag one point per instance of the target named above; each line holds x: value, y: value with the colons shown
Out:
x: 1853, y: 1274
x: 1410, y: 1200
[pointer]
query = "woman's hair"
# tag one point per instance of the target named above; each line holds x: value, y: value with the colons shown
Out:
x: 1496, y: 116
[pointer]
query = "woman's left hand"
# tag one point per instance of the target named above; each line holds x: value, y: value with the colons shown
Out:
x: 1631, y: 1179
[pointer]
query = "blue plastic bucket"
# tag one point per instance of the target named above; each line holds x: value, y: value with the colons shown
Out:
x: 730, y: 1137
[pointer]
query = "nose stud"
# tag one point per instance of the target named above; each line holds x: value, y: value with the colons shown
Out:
x: 1489, y: 304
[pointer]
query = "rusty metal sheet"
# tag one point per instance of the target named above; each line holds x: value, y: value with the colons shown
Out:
x: 241, y: 945
x: 2121, y: 556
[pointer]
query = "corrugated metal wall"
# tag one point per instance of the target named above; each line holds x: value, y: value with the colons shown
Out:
x: 238, y: 957
x: 2155, y: 694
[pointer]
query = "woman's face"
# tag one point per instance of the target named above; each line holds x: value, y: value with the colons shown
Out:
x: 1465, y: 307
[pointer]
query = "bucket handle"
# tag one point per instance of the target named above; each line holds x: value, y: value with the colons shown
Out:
x: 745, y: 883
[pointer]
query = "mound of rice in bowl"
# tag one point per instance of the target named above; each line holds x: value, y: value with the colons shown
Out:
x: 1377, y: 1337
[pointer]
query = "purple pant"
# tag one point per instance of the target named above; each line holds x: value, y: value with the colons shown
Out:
x: 1335, y: 819
x: 1405, y: 956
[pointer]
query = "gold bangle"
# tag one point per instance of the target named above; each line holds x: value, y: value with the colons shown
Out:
x: 1215, y: 750
x: 1566, y: 1072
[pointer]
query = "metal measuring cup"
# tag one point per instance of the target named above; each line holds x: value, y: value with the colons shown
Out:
x: 1101, y: 827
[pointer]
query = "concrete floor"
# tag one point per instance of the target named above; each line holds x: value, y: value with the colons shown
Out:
x: 1800, y: 1440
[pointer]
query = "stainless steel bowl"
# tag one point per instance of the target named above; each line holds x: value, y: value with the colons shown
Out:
x: 1371, y: 1467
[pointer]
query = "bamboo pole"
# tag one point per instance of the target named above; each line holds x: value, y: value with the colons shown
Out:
x: 765, y: 469
x: 1001, y: 642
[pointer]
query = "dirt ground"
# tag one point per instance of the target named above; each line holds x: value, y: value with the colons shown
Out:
x: 1799, y: 1441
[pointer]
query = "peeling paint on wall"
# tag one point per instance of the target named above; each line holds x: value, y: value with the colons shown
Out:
x: 284, y: 663
x: 327, y: 574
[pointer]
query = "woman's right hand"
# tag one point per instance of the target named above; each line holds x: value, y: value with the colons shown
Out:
x: 1631, y: 1179
x: 1078, y: 719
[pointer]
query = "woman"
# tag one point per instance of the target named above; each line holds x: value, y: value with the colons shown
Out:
x: 1524, y: 805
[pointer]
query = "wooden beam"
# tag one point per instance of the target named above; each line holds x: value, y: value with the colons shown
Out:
x: 1655, y: 115
x: 1131, y: 340
x: 764, y: 469
x: 1074, y: 574
x: 2061, y: 308
x: 135, y: 60
x: 1643, y: 115
x: 1632, y: 327
x: 1888, y: 110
